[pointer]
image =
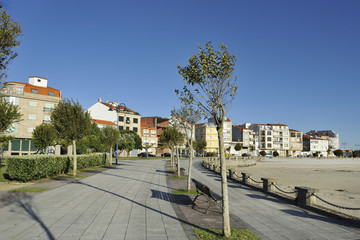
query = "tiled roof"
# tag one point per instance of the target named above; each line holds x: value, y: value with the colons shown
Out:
x: 241, y: 128
x: 118, y: 107
x: 293, y: 130
x: 98, y: 121
x: 41, y: 90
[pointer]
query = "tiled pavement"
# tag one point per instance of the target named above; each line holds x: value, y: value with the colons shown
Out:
x: 132, y: 201
x: 128, y: 202
x: 272, y: 218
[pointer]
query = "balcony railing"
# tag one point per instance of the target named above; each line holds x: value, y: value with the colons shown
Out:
x: 46, y: 109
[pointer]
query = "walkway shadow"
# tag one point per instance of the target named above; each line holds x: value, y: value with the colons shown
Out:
x: 23, y: 201
x: 110, y: 174
x: 269, y: 198
x: 183, y: 221
x: 173, y: 198
x: 305, y: 214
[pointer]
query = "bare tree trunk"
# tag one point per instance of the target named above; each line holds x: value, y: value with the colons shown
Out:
x: 172, y: 158
x: 224, y: 188
x: 75, y: 160
x: 110, y: 155
x: 190, y: 167
x: 178, y: 160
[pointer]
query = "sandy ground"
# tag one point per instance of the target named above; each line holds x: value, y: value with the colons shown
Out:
x: 338, y: 180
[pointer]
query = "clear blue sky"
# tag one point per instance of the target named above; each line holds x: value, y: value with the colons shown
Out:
x: 298, y: 62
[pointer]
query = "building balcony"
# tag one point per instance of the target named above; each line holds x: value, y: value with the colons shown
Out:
x: 49, y: 110
x: 46, y: 121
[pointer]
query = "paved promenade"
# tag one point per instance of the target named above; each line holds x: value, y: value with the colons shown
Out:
x: 271, y: 218
x: 129, y: 202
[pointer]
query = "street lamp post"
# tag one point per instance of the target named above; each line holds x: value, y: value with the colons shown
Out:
x: 117, y: 125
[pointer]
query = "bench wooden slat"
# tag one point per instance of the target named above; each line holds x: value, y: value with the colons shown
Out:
x: 202, y: 189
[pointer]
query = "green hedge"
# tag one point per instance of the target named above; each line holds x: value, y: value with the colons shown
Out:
x: 25, y: 168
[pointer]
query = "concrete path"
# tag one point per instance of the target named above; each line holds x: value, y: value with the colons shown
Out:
x: 271, y: 218
x: 131, y: 201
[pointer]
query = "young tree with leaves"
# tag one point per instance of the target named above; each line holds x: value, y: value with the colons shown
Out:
x: 128, y: 141
x: 200, y: 146
x: 9, y: 115
x: 172, y: 137
x: 210, y: 86
x: 44, y: 135
x: 186, y: 117
x: 9, y: 33
x: 71, y: 122
x: 238, y: 147
x: 110, y: 137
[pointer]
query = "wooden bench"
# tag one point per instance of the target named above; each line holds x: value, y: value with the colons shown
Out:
x: 203, y: 190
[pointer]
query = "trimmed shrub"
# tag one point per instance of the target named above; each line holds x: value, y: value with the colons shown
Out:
x: 26, y: 168
x: 275, y: 154
x: 338, y: 153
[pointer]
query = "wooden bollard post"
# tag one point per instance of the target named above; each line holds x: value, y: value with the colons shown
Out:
x: 230, y: 174
x: 305, y: 195
x: 245, y: 177
x: 268, y: 184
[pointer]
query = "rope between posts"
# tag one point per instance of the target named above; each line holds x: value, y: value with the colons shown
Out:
x: 254, y: 180
x: 283, y: 190
x: 236, y: 175
x: 334, y: 205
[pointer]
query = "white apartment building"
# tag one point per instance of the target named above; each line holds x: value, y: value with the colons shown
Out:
x: 36, y: 100
x: 334, y: 142
x: 247, y: 138
x: 272, y: 137
x: 316, y: 143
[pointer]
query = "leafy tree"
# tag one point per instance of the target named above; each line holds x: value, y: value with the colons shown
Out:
x: 9, y: 32
x: 356, y: 154
x: 91, y: 142
x: 263, y: 153
x: 44, y: 135
x: 275, y: 154
x: 9, y: 115
x: 200, y: 146
x: 129, y: 140
x: 338, y: 153
x: 172, y: 137
x: 238, y: 147
x: 71, y: 123
x: 210, y: 86
x: 186, y: 117
x: 111, y: 136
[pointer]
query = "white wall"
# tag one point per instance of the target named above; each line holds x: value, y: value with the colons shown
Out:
x: 101, y: 112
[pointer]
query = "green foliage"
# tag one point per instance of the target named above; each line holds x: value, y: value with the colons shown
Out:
x: 44, y: 135
x: 171, y: 137
x: 92, y: 142
x: 315, y: 154
x: 9, y: 114
x: 356, y: 154
x: 263, y: 153
x: 129, y: 140
x: 275, y: 154
x: 211, y: 154
x: 200, y: 146
x: 110, y: 136
x: 338, y: 153
x: 26, y: 168
x: 70, y: 120
x: 9, y: 32
x: 215, y: 234
x: 238, y: 147
x: 183, y: 192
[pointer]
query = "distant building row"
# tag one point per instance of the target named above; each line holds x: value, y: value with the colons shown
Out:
x: 36, y: 101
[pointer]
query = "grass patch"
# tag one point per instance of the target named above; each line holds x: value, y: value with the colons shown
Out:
x: 176, y: 177
x: 183, y: 192
x: 214, y: 234
x: 30, y: 189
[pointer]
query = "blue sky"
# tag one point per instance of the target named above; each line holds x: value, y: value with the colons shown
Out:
x: 298, y: 62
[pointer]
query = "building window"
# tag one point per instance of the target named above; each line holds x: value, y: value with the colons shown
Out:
x: 32, y: 117
x: 127, y: 120
x: 292, y: 135
x: 135, y: 129
x: 135, y: 120
x: 127, y: 128
x: 121, y: 128
x: 121, y: 118
x: 51, y: 93
x: 268, y: 132
x: 269, y: 145
x: 299, y: 135
x: 32, y: 104
x: 30, y: 130
x: 33, y: 90
x: 268, y: 139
